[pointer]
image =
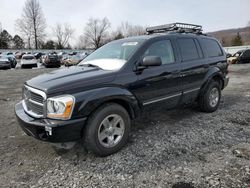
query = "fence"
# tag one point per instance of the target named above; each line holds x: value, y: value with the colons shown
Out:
x: 234, y: 49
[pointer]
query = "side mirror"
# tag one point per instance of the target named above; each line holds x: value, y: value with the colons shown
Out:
x: 149, y: 61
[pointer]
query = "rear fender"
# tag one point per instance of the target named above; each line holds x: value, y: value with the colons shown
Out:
x: 213, y: 73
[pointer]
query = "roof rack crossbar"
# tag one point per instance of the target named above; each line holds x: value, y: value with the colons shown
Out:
x: 177, y: 27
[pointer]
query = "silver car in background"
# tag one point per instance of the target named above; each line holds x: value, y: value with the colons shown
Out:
x: 28, y: 60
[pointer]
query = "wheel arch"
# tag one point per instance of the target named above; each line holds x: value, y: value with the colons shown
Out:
x: 213, y: 74
x: 98, y: 97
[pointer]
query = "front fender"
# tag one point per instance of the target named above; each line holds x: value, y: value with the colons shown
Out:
x: 88, y: 101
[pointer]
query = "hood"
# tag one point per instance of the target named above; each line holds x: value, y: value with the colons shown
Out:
x: 70, y: 79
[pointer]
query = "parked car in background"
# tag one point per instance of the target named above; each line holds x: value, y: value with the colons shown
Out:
x: 72, y: 60
x: 5, y: 62
x: 19, y: 55
x: 232, y: 59
x: 38, y: 55
x: 240, y: 57
x: 28, y: 60
x: 52, y: 60
x: 12, y: 61
x: 62, y: 54
x: 244, y: 57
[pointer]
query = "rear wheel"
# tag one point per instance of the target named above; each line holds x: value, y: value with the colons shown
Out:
x: 107, y: 129
x: 209, y: 100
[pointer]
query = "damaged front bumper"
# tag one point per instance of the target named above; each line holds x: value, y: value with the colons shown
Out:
x: 49, y: 130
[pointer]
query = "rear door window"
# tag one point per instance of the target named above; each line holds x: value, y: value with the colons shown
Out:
x: 188, y: 49
x: 212, y: 47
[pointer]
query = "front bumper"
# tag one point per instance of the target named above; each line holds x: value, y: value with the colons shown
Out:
x: 5, y: 65
x: 56, y: 131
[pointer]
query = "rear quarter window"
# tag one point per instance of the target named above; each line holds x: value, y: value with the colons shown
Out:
x: 212, y: 47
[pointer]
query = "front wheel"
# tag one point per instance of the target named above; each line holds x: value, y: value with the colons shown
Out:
x: 209, y: 100
x: 107, y: 130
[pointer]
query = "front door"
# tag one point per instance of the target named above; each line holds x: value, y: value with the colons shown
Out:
x: 159, y: 83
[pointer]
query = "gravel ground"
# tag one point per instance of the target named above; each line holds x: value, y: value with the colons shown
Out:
x: 181, y: 148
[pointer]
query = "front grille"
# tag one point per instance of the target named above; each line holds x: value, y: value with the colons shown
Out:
x: 33, y: 101
x: 36, y: 97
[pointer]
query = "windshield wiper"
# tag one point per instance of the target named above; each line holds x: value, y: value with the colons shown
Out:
x: 90, y: 65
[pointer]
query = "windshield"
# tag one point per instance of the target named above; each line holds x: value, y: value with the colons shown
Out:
x: 112, y: 56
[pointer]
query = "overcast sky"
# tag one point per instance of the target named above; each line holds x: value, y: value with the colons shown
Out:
x: 213, y: 15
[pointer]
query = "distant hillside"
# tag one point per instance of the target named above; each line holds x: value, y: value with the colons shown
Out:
x: 226, y: 36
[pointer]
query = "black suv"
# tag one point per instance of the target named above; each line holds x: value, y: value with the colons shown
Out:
x: 96, y: 100
x: 52, y: 60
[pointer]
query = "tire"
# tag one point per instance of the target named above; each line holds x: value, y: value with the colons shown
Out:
x: 99, y: 137
x: 209, y: 99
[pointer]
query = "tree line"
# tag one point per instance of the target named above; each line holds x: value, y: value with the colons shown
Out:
x: 31, y: 27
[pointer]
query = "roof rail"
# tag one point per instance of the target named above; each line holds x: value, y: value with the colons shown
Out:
x: 175, y: 27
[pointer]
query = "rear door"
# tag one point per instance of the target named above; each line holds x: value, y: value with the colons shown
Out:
x: 193, y: 68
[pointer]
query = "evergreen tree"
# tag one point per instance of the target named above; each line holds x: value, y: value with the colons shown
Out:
x: 18, y: 42
x: 50, y: 44
x: 237, y: 41
x: 5, y: 39
x: 118, y: 36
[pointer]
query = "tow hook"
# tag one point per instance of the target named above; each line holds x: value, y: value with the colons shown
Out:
x: 48, y: 130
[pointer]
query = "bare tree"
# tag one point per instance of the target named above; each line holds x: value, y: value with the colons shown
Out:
x: 81, y: 44
x: 63, y: 33
x: 128, y: 30
x: 32, y: 22
x: 96, y: 32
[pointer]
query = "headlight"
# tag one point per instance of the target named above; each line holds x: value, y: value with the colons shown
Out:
x: 60, y: 107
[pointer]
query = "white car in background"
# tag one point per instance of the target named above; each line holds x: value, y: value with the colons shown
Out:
x: 28, y: 60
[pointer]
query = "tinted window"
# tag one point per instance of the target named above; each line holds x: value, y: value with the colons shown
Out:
x: 246, y: 54
x: 188, y: 49
x: 163, y: 49
x: 212, y: 47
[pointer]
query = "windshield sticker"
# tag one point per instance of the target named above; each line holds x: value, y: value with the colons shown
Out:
x: 129, y: 43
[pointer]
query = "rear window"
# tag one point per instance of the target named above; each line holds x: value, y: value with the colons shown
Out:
x: 188, y: 49
x: 212, y: 47
x: 28, y: 57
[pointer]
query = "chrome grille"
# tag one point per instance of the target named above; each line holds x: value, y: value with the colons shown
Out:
x: 33, y: 101
x: 36, y: 97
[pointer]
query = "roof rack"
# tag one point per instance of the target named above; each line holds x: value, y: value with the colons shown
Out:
x: 175, y: 27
